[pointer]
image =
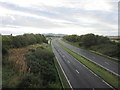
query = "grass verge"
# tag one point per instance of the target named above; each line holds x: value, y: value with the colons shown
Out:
x: 100, y: 54
x: 107, y: 76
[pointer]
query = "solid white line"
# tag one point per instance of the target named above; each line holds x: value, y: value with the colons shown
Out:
x: 77, y: 71
x: 63, y: 72
x: 93, y: 73
x: 106, y: 83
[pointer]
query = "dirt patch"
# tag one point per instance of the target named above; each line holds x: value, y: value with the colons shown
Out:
x: 17, y: 59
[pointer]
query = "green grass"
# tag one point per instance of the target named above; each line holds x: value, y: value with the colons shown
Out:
x: 107, y: 76
x: 61, y: 75
x: 76, y: 44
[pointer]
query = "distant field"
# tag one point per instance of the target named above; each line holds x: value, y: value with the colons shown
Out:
x: 115, y: 39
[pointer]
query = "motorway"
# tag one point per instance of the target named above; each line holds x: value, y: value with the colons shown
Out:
x: 78, y: 75
x: 99, y: 60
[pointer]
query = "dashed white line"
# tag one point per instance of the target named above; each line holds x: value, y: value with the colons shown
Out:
x: 94, y: 57
x: 107, y: 63
x: 77, y: 71
x: 68, y: 61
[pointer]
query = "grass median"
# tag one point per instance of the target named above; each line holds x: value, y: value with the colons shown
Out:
x: 76, y: 44
x: 107, y: 76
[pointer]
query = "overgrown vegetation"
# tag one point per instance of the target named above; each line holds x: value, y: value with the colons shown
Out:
x: 42, y: 71
x: 28, y: 62
x: 14, y: 68
x: 97, y: 43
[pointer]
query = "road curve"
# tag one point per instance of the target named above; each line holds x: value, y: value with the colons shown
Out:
x: 78, y: 75
x: 99, y: 60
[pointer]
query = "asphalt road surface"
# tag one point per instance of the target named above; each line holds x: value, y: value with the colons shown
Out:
x: 78, y: 75
x: 99, y: 60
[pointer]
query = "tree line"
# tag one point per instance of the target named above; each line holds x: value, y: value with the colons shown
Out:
x: 97, y: 43
x: 21, y: 41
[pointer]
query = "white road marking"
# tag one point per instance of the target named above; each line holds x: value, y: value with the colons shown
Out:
x: 93, y: 73
x: 77, y: 71
x: 94, y: 57
x: 107, y: 63
x: 64, y: 73
x: 63, y: 56
x: 68, y: 61
x: 107, y: 83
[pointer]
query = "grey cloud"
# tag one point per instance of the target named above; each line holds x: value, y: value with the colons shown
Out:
x: 28, y: 21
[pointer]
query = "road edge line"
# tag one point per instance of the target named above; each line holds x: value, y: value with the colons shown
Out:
x: 63, y: 72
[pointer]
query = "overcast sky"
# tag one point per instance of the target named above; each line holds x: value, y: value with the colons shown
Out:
x: 59, y: 16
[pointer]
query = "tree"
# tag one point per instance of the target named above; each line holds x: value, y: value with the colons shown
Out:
x: 88, y: 40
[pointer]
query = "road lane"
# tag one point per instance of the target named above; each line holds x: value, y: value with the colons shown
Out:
x: 99, y: 60
x: 78, y: 75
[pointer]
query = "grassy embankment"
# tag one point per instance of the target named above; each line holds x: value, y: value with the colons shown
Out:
x: 20, y: 64
x: 95, y: 52
x: 107, y: 76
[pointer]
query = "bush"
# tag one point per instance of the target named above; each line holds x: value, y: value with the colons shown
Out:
x: 107, y: 49
x: 41, y: 64
x: 31, y: 81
